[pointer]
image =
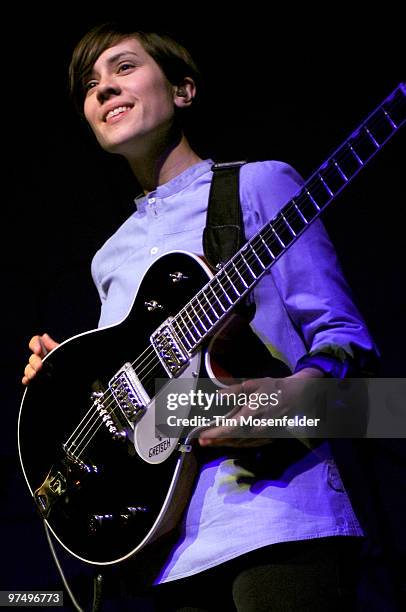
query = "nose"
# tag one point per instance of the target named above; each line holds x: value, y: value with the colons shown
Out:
x: 107, y: 88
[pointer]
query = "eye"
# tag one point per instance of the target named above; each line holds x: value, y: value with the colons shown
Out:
x: 89, y: 85
x: 125, y: 66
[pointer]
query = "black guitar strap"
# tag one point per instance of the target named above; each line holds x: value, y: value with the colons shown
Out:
x: 224, y: 231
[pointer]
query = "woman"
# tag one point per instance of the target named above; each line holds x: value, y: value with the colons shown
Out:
x: 278, y: 532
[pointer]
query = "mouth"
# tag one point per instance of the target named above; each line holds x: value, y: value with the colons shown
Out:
x: 116, y: 113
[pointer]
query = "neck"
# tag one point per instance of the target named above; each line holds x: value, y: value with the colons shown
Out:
x: 163, y: 164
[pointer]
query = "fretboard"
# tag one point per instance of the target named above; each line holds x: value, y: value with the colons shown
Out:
x: 239, y: 276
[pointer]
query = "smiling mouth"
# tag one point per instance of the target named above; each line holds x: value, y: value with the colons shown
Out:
x: 116, y: 112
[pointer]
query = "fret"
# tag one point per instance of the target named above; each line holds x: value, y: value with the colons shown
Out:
x: 179, y: 331
x: 389, y: 118
x: 256, y: 255
x: 274, y: 241
x: 252, y: 261
x: 199, y: 321
x: 307, y: 207
x: 327, y: 188
x: 353, y: 151
x: 237, y: 293
x: 257, y: 244
x: 372, y: 137
x: 244, y: 269
x: 381, y: 126
x: 308, y: 204
x: 204, y: 311
x: 333, y: 178
x: 224, y: 303
x: 191, y: 342
x: 288, y: 225
x: 301, y: 216
x: 267, y: 247
x: 242, y: 280
x: 278, y: 237
x: 218, y: 315
x: 318, y: 208
x: 316, y: 193
x: 348, y: 160
x: 396, y: 107
x: 249, y: 267
x: 341, y: 171
x: 285, y: 234
x: 221, y: 278
x: 193, y: 327
x: 363, y: 145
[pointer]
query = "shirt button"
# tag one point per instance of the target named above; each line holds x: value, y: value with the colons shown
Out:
x: 151, y: 200
x: 154, y: 250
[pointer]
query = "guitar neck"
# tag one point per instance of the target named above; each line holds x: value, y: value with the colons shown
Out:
x: 239, y: 276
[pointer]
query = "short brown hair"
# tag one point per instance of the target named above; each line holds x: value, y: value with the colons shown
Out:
x: 174, y: 60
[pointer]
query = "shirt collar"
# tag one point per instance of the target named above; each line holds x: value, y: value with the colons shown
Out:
x: 177, y: 184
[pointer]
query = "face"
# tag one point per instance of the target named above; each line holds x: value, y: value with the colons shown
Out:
x: 129, y: 102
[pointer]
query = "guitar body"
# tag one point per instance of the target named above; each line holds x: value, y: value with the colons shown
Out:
x: 103, y: 496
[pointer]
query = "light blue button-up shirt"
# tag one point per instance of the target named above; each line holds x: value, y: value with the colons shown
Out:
x: 302, y: 305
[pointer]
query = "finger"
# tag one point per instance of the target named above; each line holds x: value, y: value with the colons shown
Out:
x: 29, y: 373
x: 212, y: 436
x: 217, y: 441
x: 237, y: 388
x: 48, y: 343
x: 235, y: 442
x: 35, y: 345
x: 35, y: 362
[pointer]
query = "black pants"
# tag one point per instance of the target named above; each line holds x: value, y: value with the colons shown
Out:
x: 308, y: 576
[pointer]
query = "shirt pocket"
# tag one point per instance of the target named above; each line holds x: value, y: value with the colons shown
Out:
x: 190, y: 240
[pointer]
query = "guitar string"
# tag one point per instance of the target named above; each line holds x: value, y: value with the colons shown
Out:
x: 91, y: 413
x: 343, y: 154
x: 225, y: 285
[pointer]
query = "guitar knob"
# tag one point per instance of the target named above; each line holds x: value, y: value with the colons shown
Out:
x: 176, y: 277
x: 153, y: 305
x: 98, y: 521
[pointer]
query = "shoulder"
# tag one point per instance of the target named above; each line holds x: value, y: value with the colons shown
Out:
x: 270, y: 174
x: 267, y: 185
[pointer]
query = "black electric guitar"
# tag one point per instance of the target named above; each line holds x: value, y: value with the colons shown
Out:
x: 104, y: 481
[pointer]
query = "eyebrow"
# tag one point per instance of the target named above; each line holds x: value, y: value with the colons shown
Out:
x: 111, y: 60
x: 114, y: 58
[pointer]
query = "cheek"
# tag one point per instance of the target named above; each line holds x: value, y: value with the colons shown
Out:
x: 87, y: 115
x: 161, y: 99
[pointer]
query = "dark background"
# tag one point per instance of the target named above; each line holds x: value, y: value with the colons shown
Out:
x: 276, y: 86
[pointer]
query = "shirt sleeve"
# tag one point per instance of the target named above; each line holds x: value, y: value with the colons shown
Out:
x: 310, y: 280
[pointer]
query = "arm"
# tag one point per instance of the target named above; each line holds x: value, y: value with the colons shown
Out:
x: 313, y: 294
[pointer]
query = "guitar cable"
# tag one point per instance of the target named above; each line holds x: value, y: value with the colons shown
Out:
x: 97, y: 581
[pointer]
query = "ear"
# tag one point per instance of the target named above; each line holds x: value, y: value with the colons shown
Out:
x: 184, y: 93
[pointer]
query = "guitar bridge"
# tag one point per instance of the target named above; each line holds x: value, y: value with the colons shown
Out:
x: 129, y: 394
x: 169, y: 348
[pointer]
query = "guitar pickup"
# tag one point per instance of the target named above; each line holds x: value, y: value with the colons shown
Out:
x: 169, y: 348
x: 129, y: 393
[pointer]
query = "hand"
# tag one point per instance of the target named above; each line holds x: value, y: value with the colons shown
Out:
x: 287, y: 396
x: 40, y: 346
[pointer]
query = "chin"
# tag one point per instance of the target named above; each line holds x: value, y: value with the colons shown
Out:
x: 118, y: 147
